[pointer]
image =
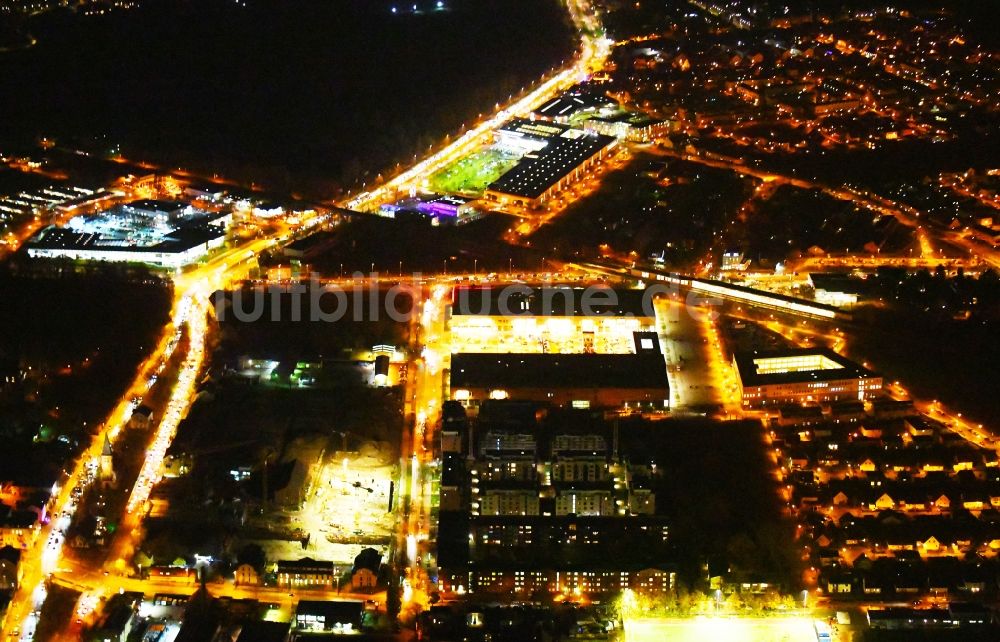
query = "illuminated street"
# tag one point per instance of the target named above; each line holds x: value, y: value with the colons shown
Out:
x: 595, y: 50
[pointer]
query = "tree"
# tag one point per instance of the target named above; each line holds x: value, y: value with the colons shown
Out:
x: 253, y: 555
x: 143, y: 560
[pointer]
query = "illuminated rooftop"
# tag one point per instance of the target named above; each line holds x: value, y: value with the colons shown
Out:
x: 794, y: 365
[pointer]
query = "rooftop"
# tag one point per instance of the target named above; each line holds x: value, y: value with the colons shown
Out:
x: 557, y: 301
x: 335, y: 611
x: 305, y: 563
x: 179, y: 240
x: 644, y: 370
x: 796, y: 365
x: 538, y: 171
x: 532, y: 129
x: 572, y: 102
x: 157, y: 205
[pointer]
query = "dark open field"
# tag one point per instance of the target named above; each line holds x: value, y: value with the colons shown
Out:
x: 717, y: 489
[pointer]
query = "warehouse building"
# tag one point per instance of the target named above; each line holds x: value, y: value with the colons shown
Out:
x: 166, y: 234
x: 552, y: 320
x: 635, y: 381
x: 561, y: 159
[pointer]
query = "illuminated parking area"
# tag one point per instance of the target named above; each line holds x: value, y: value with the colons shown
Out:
x: 700, y: 629
x: 700, y: 378
x: 552, y: 335
x: 516, y: 318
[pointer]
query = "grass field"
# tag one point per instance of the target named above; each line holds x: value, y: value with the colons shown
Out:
x: 471, y: 174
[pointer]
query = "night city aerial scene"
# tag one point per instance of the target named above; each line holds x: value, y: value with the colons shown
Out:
x: 500, y: 320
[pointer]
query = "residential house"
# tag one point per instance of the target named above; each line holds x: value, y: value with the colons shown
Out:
x: 18, y: 528
x: 246, y: 575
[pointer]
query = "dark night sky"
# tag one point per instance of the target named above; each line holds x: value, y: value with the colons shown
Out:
x: 306, y: 87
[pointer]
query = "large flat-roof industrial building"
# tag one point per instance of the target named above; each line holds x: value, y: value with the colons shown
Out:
x: 635, y: 381
x: 166, y: 234
x: 548, y: 319
x: 523, y: 135
x: 771, y: 378
x: 578, y: 100
x: 567, y: 346
x: 554, y: 156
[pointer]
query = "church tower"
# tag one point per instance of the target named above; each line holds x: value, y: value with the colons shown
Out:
x: 106, y: 470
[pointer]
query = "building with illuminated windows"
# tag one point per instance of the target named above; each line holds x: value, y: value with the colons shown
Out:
x: 553, y: 155
x: 772, y: 378
x: 545, y: 503
x: 305, y: 573
x: 571, y: 581
x: 581, y: 568
x: 18, y: 528
x: 554, y: 320
x: 337, y: 616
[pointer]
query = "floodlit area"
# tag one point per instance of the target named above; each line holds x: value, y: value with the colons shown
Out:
x: 471, y: 174
x: 551, y: 335
x: 346, y: 509
x: 164, y: 618
x: 164, y: 233
x: 701, y: 629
